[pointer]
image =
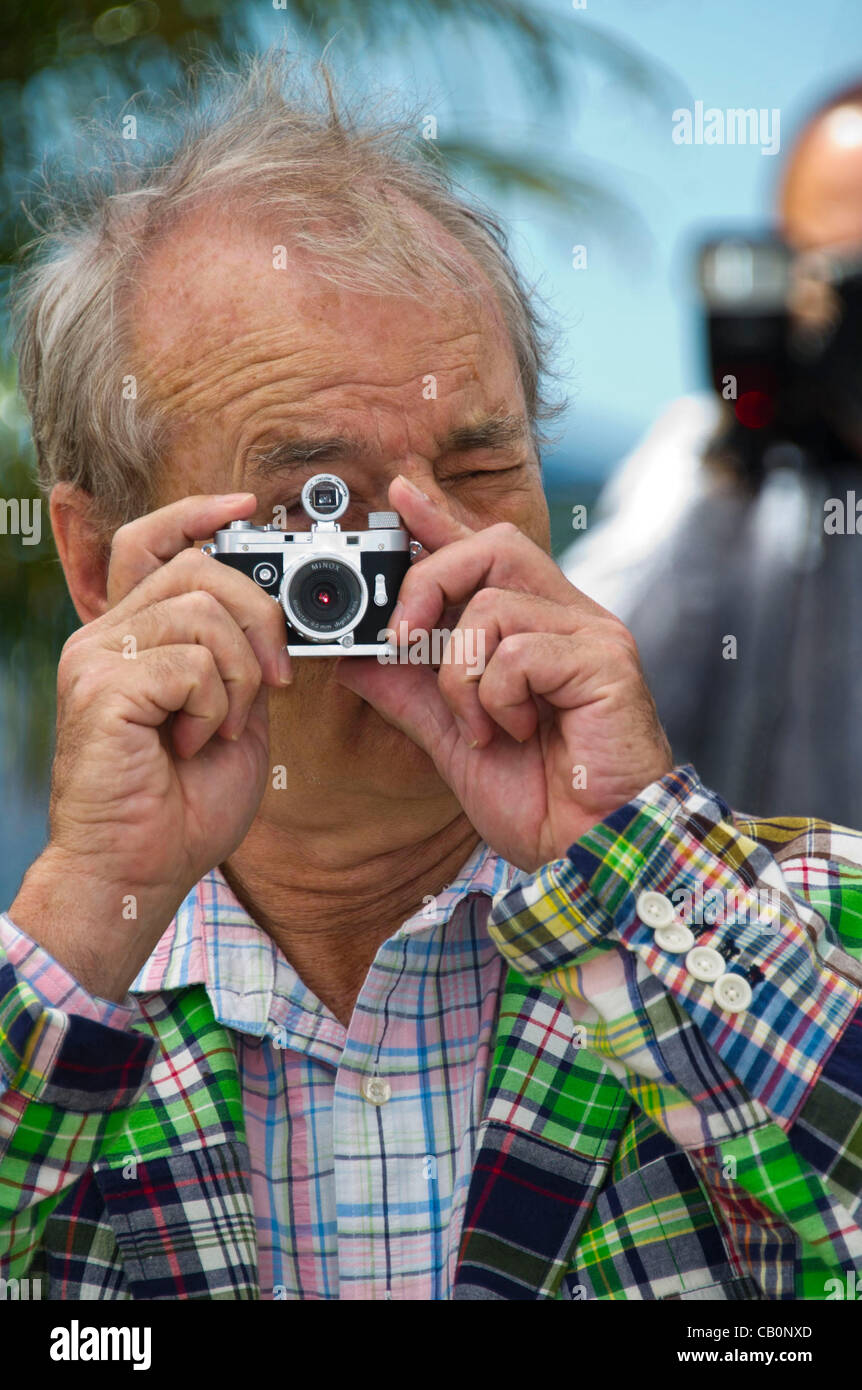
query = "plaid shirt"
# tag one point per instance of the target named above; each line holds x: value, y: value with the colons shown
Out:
x: 351, y: 1199
x: 637, y: 1140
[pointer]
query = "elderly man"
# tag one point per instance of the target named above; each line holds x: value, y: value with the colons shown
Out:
x: 365, y: 980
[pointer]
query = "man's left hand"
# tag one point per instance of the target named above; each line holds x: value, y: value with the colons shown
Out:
x: 557, y: 730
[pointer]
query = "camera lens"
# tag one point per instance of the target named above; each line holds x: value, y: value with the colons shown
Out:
x: 324, y: 598
x: 324, y: 499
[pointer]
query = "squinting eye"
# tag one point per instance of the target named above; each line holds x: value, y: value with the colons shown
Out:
x: 484, y: 473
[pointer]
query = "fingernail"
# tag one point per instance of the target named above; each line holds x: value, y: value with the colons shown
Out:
x: 466, y: 733
x: 285, y: 673
x: 414, y: 489
x: 234, y: 496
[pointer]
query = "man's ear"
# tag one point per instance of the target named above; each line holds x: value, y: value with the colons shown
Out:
x: 82, y: 549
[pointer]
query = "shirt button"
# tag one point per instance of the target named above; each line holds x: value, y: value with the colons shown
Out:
x: 674, y: 939
x: 375, y: 1089
x: 732, y: 993
x: 705, y: 964
x: 655, y: 910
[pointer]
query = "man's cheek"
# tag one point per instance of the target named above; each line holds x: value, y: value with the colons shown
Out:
x: 536, y: 521
x: 529, y: 512
x: 537, y: 526
x: 523, y: 505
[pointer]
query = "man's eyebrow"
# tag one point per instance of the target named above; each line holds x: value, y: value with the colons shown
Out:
x: 494, y: 432
x: 287, y: 455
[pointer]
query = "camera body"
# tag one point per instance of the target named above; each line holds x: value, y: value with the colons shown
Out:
x: 337, y: 588
x: 784, y: 331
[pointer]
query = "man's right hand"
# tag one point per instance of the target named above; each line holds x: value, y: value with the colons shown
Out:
x: 162, y: 743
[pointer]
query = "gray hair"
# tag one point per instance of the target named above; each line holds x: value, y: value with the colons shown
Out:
x: 340, y: 183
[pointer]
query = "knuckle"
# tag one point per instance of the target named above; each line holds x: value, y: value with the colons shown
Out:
x: 82, y: 688
x: 204, y: 606
x: 506, y: 532
x: 121, y: 538
x: 615, y: 628
x: 73, y: 659
x: 72, y: 645
x: 623, y: 668
x: 611, y: 636
x: 512, y: 648
x: 484, y: 601
x: 202, y: 662
x: 188, y: 561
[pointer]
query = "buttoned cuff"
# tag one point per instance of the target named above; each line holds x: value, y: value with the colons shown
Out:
x: 52, y: 983
x: 62, y: 1057
x: 678, y: 840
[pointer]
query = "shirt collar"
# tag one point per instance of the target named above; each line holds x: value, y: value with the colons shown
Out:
x: 214, y: 941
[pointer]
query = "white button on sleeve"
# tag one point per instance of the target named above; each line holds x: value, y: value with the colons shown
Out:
x: 732, y: 993
x: 704, y: 963
x: 655, y: 910
x: 674, y: 939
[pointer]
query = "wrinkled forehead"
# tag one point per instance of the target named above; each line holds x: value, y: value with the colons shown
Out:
x: 232, y: 287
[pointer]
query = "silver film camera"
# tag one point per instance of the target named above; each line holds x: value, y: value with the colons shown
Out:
x: 337, y: 588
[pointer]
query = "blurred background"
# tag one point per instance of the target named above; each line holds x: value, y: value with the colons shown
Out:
x: 559, y: 114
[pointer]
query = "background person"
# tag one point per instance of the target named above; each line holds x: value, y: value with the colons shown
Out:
x: 714, y: 530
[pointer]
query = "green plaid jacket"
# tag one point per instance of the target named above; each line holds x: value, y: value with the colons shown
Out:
x: 638, y: 1140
